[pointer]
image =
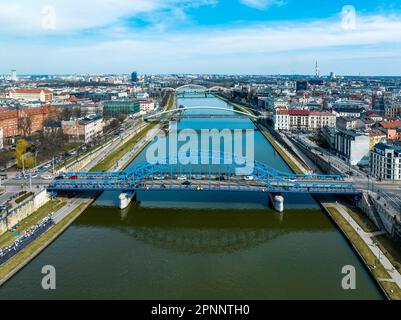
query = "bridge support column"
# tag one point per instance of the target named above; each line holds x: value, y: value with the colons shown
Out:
x: 125, y: 199
x: 277, y: 201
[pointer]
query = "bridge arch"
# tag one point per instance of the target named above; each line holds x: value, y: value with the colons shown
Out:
x: 218, y: 88
x: 191, y: 87
x: 157, y: 115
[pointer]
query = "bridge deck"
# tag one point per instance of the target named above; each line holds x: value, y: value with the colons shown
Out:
x: 203, y: 183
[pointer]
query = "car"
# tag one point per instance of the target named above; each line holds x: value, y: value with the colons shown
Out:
x: 186, y: 183
x: 182, y: 177
x: 249, y: 178
x: 47, y: 177
x: 158, y: 177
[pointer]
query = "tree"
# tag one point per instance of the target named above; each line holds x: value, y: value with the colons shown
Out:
x: 66, y: 114
x: 20, y: 150
x: 77, y: 112
x: 25, y: 124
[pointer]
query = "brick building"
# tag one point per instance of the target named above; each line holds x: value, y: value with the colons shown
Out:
x: 15, y: 122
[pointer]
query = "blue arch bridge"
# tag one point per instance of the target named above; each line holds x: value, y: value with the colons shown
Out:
x: 218, y: 175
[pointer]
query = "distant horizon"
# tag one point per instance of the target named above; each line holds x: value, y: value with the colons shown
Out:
x: 204, y: 74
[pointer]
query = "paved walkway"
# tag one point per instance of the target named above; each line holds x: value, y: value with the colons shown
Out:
x: 67, y: 209
x: 367, y: 238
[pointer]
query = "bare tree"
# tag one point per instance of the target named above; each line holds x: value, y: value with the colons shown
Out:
x: 25, y: 124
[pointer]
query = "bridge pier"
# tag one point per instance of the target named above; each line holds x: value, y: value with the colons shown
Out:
x: 277, y: 201
x: 126, y: 198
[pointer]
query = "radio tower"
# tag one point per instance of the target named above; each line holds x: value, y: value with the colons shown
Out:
x: 317, y: 70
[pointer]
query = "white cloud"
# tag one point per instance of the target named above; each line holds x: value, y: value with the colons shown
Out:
x: 26, y: 16
x: 264, y: 48
x: 261, y: 4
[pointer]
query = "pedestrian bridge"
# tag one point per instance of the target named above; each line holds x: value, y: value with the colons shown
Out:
x: 217, y: 176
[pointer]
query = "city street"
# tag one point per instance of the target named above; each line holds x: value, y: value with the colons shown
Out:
x: 390, y: 191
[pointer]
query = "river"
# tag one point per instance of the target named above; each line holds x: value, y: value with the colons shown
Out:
x: 199, y: 245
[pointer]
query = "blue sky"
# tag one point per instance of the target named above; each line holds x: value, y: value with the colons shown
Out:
x: 201, y: 36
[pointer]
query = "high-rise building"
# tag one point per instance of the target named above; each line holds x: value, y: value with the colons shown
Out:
x: 317, y: 70
x: 134, y: 77
x: 13, y: 75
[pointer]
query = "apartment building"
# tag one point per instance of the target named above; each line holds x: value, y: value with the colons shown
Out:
x: 352, y: 146
x: 146, y: 106
x: 292, y: 120
x: 84, y: 129
x: 385, y: 162
x: 42, y: 95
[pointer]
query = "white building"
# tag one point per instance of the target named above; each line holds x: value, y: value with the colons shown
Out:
x: 146, y: 106
x: 291, y: 120
x: 276, y: 103
x: 352, y: 146
x: 142, y: 96
x: 42, y: 95
x: 14, y: 75
x: 385, y: 162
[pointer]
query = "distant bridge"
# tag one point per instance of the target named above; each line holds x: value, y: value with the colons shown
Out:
x: 180, y: 114
x: 196, y: 89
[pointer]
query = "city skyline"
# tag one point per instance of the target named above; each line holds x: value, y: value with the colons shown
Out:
x: 204, y: 36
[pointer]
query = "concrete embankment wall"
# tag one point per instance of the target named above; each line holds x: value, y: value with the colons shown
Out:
x: 387, y: 214
x: 23, y: 210
x: 366, y: 206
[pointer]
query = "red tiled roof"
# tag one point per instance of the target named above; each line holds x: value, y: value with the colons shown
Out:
x: 31, y: 91
x: 31, y: 112
x: 391, y: 124
x: 293, y: 112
